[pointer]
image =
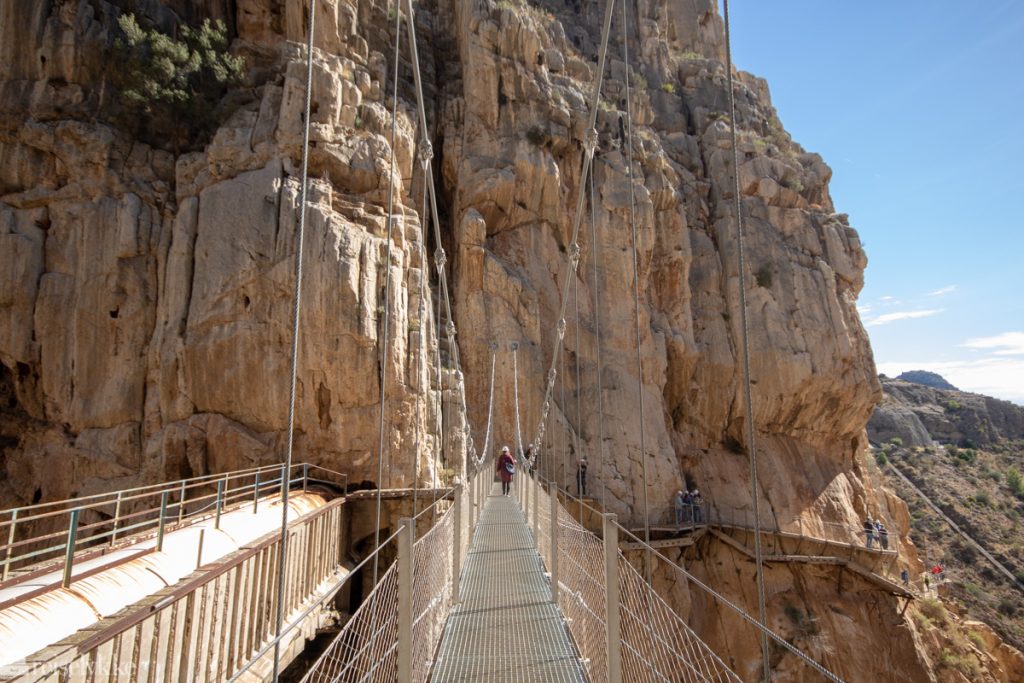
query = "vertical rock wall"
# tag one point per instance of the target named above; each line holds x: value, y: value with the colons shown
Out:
x: 145, y: 320
x: 145, y: 306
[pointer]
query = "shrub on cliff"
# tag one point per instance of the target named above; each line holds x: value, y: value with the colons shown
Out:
x: 171, y: 90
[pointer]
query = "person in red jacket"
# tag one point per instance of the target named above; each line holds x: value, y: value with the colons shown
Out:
x: 506, y: 468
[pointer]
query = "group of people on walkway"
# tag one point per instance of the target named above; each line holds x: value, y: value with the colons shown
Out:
x: 689, y: 507
x: 875, y: 531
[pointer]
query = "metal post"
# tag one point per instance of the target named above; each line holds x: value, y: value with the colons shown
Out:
x: 199, y: 551
x: 611, y: 609
x: 305, y: 476
x: 10, y: 544
x: 69, y: 552
x: 220, y: 503
x: 406, y: 538
x: 554, y: 548
x: 163, y: 517
x: 117, y: 517
x: 256, y: 493
x: 524, y: 488
x: 474, y: 509
x: 536, y: 507
x: 457, y: 545
x: 181, y: 502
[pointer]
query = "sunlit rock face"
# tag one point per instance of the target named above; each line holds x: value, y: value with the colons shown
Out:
x: 146, y: 311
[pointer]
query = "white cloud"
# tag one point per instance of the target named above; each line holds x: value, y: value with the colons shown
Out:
x: 999, y: 377
x: 942, y: 291
x: 864, y: 309
x: 1005, y: 344
x: 886, y: 298
x: 902, y: 315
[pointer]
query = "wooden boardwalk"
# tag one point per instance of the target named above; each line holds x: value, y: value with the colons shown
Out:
x: 506, y: 629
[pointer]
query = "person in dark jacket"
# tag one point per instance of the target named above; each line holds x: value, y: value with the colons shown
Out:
x: 581, y: 477
x: 869, y: 531
x: 506, y: 469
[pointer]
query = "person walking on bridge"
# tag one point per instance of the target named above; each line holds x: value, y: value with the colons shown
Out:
x: 506, y: 469
x: 581, y: 477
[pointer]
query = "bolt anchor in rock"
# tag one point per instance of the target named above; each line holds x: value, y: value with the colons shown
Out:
x: 425, y: 153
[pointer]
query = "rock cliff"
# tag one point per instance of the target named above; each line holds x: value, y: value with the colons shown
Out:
x: 145, y: 315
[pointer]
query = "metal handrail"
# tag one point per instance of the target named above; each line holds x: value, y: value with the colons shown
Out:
x: 172, y: 510
x: 139, y: 492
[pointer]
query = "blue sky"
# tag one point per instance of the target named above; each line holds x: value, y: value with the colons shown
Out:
x: 917, y: 107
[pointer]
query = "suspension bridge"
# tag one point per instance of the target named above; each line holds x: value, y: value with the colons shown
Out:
x: 227, y: 577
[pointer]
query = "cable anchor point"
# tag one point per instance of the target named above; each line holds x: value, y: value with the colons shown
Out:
x: 425, y: 153
x: 590, y: 141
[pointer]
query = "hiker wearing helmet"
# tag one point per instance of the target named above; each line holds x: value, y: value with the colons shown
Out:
x: 506, y: 468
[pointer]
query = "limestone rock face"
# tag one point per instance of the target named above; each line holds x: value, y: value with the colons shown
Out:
x: 146, y: 297
x: 146, y: 306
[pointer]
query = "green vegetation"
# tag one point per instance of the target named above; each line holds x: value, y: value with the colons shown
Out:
x: 965, y: 664
x: 953, y: 405
x: 172, y: 90
x: 691, y: 56
x: 764, y: 276
x: 982, y: 498
x: 668, y: 87
x: 934, y: 610
x: 794, y: 184
x: 881, y: 459
x: 896, y: 441
x: 1014, y: 481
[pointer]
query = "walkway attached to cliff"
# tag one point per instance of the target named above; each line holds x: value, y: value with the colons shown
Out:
x: 506, y: 628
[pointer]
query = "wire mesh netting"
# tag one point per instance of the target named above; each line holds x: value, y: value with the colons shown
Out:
x: 657, y: 645
x: 581, y: 595
x: 432, y: 592
x: 366, y: 649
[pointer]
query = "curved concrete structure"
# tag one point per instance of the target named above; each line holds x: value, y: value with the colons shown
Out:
x: 42, y: 620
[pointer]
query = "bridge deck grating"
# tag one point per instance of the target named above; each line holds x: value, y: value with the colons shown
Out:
x: 506, y: 628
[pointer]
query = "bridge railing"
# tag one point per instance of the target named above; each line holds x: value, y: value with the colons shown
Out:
x: 740, y: 517
x: 622, y: 627
x: 45, y: 536
x: 206, y: 627
x: 396, y: 630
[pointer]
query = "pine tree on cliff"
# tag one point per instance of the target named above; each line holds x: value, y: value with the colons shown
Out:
x: 172, y: 90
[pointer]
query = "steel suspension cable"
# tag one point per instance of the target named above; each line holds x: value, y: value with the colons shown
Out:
x: 602, y: 472
x: 590, y: 140
x: 417, y: 445
x: 383, y: 345
x: 565, y: 421
x: 439, y: 413
x: 636, y: 287
x: 426, y: 155
x: 490, y: 409
x: 515, y: 389
x: 296, y: 310
x: 748, y: 399
x: 579, y: 407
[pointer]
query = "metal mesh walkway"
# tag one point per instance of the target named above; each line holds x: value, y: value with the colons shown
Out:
x: 506, y: 629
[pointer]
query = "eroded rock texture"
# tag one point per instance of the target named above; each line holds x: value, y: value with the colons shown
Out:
x: 145, y: 313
